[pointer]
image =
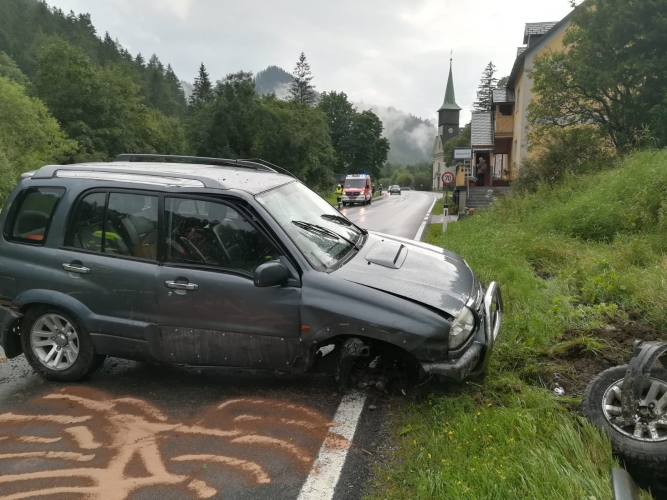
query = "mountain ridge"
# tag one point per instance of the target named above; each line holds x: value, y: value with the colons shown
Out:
x: 411, y: 137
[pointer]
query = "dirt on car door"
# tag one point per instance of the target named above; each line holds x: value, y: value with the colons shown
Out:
x: 210, y: 311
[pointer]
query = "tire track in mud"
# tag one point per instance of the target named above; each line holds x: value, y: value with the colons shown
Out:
x: 80, y: 442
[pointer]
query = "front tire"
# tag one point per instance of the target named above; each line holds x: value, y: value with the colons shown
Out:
x: 642, y: 444
x: 57, y: 346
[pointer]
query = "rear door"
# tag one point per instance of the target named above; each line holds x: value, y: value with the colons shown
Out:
x: 210, y: 311
x: 108, y: 263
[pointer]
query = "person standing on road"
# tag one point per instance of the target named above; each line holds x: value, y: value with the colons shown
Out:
x: 339, y: 194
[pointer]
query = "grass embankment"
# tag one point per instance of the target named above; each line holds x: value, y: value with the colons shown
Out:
x: 583, y: 270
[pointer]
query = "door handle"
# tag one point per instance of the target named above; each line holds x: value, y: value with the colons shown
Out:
x: 76, y: 269
x: 190, y: 287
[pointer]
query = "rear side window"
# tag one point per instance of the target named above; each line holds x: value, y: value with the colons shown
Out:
x: 30, y: 222
x: 118, y: 224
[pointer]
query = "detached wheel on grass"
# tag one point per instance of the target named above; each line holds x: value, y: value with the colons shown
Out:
x: 644, y: 443
x: 57, y: 346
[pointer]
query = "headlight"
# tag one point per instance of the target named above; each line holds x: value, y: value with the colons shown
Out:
x: 462, y: 327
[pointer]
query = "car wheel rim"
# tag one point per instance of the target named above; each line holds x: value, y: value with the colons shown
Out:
x: 55, y: 342
x: 650, y: 418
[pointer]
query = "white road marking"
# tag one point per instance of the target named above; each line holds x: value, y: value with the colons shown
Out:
x: 325, y: 473
x: 420, y: 233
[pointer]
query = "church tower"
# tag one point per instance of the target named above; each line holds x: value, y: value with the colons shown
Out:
x: 448, y: 127
x: 448, y: 114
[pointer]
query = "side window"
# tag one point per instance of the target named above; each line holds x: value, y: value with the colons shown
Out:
x: 215, y: 234
x: 34, y: 214
x: 127, y: 226
x: 85, y: 229
x: 131, y: 226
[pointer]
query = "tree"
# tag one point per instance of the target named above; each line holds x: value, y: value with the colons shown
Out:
x: 404, y: 179
x: 302, y: 90
x: 202, y: 89
x: 225, y: 124
x: 295, y: 136
x: 369, y: 149
x: 502, y: 83
x: 29, y: 136
x: 340, y: 115
x: 98, y: 106
x: 485, y: 90
x: 612, y: 73
x: 10, y: 70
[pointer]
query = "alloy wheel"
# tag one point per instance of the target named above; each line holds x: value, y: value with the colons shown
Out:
x: 650, y: 419
x: 55, y: 342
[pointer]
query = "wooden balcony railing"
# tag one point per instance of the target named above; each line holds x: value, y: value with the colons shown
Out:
x: 504, y: 126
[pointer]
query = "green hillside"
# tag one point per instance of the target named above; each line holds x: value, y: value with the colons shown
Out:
x: 28, y: 25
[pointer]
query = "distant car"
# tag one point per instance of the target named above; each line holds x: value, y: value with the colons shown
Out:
x: 395, y: 189
x: 225, y: 263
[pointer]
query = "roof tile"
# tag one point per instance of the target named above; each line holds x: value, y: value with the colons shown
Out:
x: 482, y: 129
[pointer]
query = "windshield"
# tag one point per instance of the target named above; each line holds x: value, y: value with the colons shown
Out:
x: 355, y: 183
x: 300, y: 211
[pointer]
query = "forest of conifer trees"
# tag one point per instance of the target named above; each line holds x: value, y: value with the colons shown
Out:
x: 70, y: 94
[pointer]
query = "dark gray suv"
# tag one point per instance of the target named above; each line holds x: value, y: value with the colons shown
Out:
x: 224, y: 263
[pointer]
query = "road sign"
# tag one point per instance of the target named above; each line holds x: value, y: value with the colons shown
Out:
x: 462, y: 154
x: 447, y: 179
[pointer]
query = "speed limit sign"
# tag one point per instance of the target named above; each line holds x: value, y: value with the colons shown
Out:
x: 447, y: 178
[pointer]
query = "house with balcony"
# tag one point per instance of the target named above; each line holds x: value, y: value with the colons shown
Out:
x: 501, y: 136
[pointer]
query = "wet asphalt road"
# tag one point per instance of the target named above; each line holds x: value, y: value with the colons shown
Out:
x: 398, y: 215
x: 134, y: 422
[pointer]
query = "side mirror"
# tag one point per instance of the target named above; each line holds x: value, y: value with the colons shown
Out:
x: 271, y: 274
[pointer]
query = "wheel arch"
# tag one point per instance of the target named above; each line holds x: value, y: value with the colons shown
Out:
x: 327, y: 362
x: 66, y: 303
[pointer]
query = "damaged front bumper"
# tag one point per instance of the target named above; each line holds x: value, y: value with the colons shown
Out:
x: 475, y: 359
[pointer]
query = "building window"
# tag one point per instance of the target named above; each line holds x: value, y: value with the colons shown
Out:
x: 514, y: 152
x: 505, y: 109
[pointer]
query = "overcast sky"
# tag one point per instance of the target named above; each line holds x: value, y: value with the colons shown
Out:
x: 386, y: 52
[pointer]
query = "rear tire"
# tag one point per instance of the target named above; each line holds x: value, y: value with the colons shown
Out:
x: 45, y: 329
x: 646, y: 453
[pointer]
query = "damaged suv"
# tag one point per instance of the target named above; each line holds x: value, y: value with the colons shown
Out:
x: 208, y: 263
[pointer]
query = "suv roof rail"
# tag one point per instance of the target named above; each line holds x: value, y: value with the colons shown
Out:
x: 257, y: 165
x: 272, y: 166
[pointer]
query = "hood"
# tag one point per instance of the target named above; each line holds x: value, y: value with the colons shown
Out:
x: 419, y: 272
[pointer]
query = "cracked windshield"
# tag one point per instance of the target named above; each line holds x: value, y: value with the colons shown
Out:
x: 343, y: 250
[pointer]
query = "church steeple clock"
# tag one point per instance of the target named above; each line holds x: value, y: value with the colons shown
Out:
x: 448, y: 114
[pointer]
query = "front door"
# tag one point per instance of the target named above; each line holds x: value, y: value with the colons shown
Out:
x: 210, y: 311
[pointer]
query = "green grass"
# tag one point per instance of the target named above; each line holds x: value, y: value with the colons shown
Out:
x: 438, y: 208
x: 575, y: 257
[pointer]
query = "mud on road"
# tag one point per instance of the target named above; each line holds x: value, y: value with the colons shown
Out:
x: 143, y: 431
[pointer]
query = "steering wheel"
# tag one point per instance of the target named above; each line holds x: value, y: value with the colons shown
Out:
x: 192, y: 248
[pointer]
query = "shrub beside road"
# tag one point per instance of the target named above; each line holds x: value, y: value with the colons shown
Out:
x: 583, y: 270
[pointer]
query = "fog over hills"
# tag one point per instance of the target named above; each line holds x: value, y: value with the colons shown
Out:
x: 411, y: 137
